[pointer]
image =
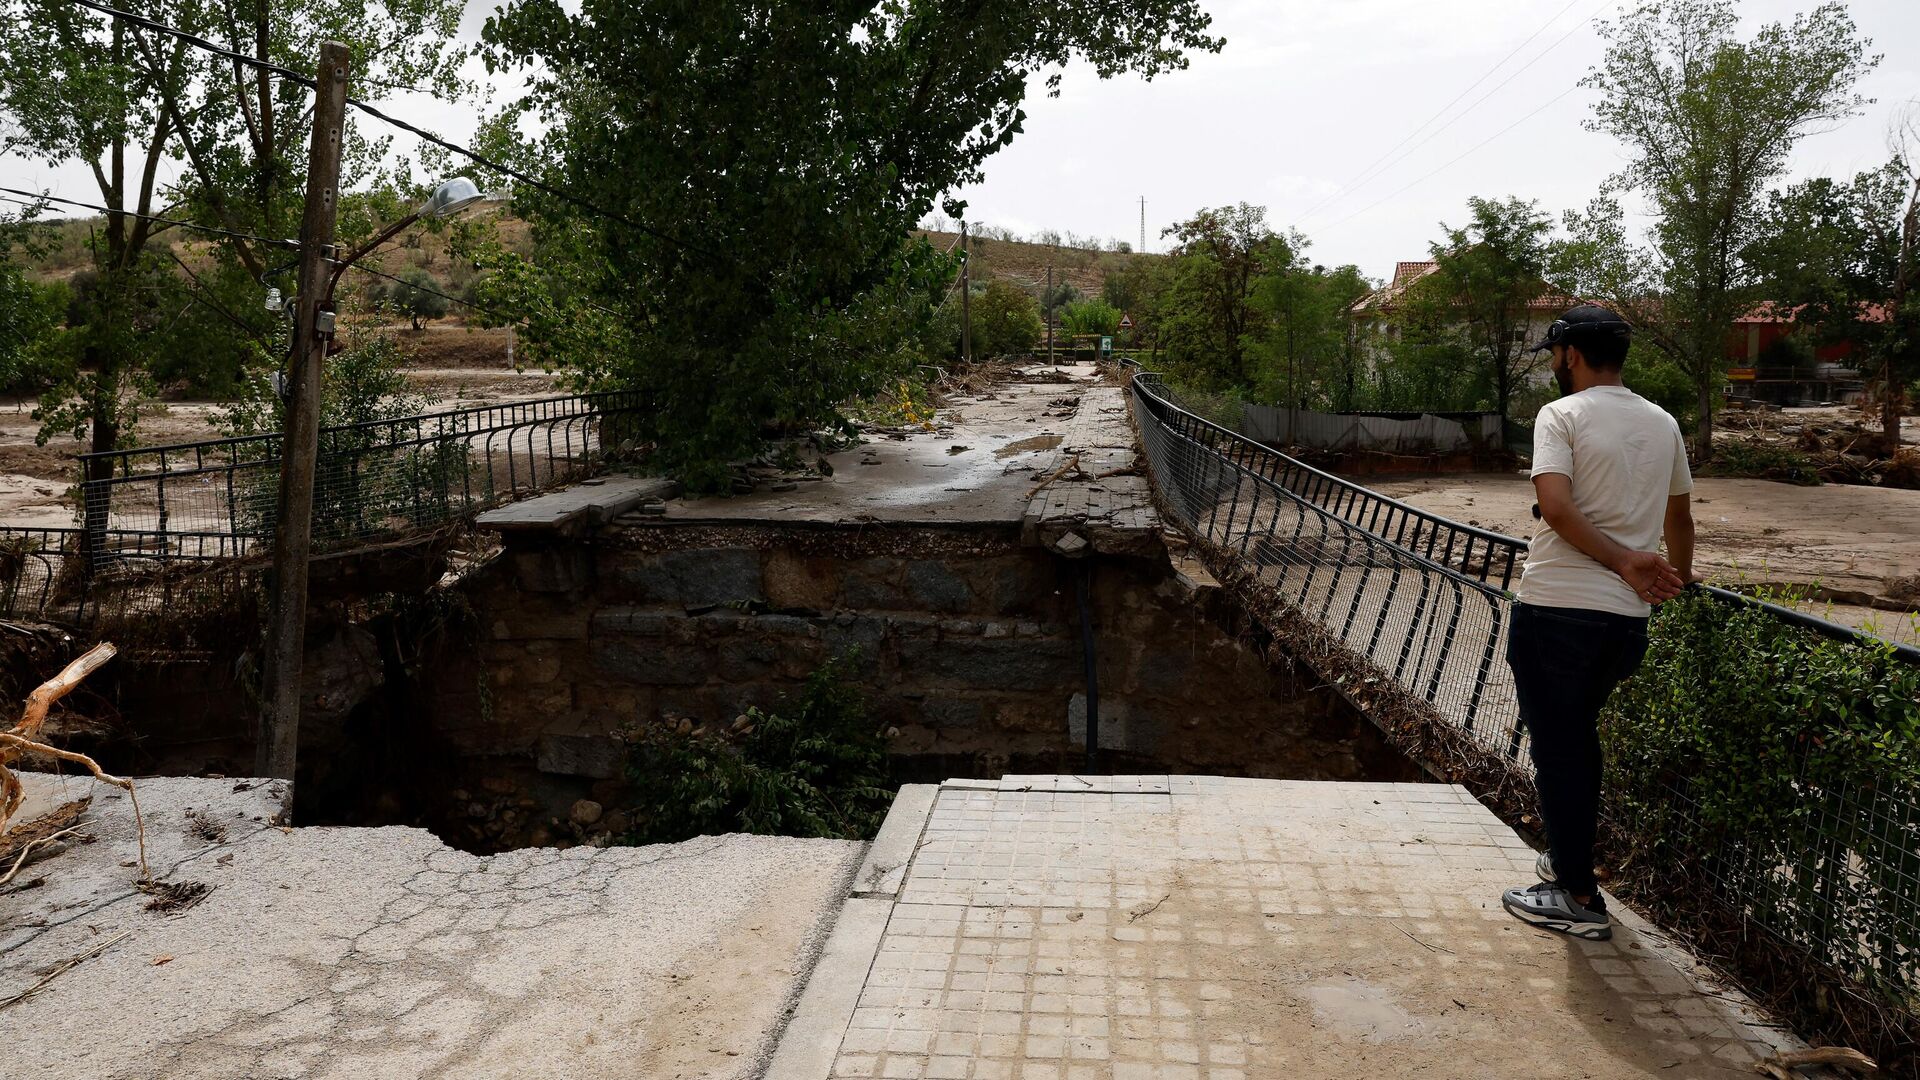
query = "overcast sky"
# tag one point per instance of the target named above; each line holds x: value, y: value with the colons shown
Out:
x: 1298, y: 111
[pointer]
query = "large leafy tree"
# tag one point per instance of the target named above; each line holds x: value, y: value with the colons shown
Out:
x: 1842, y: 254
x: 76, y: 85
x: 742, y: 178
x: 1708, y: 120
x: 1206, y: 314
x: 1306, y: 354
x: 1486, y: 275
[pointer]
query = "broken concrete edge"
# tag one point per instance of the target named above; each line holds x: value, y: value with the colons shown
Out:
x: 814, y: 954
x: 884, y: 869
x: 589, y: 504
x: 817, y: 1019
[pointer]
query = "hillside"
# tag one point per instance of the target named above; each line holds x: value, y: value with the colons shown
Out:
x: 1026, y: 264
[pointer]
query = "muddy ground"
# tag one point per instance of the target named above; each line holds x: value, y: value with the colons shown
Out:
x: 1854, y: 547
x: 35, y: 480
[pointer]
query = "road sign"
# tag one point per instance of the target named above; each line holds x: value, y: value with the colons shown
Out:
x: 1106, y: 346
x: 1126, y: 322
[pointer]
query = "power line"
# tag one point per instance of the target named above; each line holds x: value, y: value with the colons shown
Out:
x: 1371, y: 173
x: 467, y: 152
x: 1453, y: 161
x: 38, y: 198
x: 502, y: 316
x: 1367, y: 172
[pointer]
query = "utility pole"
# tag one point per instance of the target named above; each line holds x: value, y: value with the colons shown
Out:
x: 279, y: 736
x: 966, y: 299
x: 1051, y: 314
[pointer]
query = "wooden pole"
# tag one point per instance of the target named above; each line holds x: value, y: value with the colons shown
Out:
x: 966, y: 300
x: 279, y: 737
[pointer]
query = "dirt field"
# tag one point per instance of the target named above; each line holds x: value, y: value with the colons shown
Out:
x: 1854, y: 546
x: 35, y: 480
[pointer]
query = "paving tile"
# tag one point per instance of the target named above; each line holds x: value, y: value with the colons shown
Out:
x: 1217, y: 928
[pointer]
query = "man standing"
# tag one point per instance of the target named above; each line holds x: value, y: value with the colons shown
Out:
x: 1610, y: 474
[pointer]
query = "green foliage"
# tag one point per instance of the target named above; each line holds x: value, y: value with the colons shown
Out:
x: 1788, y: 351
x: 31, y: 315
x: 1205, y: 314
x: 1305, y: 351
x: 76, y: 86
x: 411, y: 297
x: 1744, y: 746
x: 1762, y: 461
x: 816, y: 766
x: 1707, y: 121
x: 759, y: 275
x: 1836, y: 252
x: 1486, y: 274
x: 1655, y: 376
x: 1090, y: 317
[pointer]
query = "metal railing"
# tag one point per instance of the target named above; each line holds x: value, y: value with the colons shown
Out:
x: 1406, y: 601
x: 199, y: 504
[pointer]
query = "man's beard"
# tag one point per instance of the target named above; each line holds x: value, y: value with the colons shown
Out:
x: 1564, y: 379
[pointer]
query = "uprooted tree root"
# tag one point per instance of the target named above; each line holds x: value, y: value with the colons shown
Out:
x: 23, y: 739
x: 1823, y: 1004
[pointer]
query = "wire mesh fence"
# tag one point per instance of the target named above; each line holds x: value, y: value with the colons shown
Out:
x: 156, y: 515
x: 1421, y: 606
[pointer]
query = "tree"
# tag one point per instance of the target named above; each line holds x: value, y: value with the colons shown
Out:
x: 1305, y: 353
x: 76, y: 85
x: 417, y: 296
x: 1486, y: 275
x: 1095, y: 317
x: 742, y: 178
x: 1707, y: 121
x: 1841, y: 256
x: 1207, y: 311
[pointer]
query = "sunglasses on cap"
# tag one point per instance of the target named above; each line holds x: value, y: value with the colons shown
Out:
x: 1561, y: 328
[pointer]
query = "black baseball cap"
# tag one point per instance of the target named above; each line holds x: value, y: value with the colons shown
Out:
x: 1585, y: 321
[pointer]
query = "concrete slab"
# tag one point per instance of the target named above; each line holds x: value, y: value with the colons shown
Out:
x: 1148, y: 928
x: 1048, y: 457
x: 381, y: 953
x: 583, y: 506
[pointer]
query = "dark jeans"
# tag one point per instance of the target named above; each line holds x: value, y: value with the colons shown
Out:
x: 1566, y: 662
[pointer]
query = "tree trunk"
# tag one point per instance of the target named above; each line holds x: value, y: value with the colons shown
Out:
x: 1703, y: 436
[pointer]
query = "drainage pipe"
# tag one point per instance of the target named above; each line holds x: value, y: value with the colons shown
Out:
x: 1084, y: 582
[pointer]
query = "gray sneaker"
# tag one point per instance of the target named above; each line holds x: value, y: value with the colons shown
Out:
x: 1551, y: 907
x: 1543, y: 866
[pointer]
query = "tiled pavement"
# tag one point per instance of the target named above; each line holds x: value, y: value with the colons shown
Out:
x: 1181, y: 928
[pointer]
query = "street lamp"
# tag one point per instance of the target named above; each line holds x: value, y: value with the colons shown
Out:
x: 300, y: 434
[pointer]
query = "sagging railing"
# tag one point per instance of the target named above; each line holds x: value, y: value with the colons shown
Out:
x: 201, y: 503
x: 1408, y: 602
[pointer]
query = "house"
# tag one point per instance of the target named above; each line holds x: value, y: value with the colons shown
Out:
x: 1370, y: 314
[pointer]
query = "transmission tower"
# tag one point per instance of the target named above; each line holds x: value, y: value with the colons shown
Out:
x: 1143, y: 224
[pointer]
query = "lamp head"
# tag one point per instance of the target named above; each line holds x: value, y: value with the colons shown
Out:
x: 451, y: 197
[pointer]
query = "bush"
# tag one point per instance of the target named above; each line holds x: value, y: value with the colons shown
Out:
x: 1096, y: 317
x: 1753, y: 761
x: 1761, y: 461
x: 814, y: 767
x: 410, y: 297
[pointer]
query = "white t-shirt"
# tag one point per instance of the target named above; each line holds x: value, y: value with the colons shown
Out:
x: 1626, y: 457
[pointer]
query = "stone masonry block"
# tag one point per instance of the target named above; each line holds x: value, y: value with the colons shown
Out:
x: 695, y: 577
x: 991, y: 664
x: 649, y: 664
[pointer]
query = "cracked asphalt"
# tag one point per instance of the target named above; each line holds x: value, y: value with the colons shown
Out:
x: 343, y: 953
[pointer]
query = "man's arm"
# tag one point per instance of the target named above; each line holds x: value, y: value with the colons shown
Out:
x: 1679, y: 530
x: 1651, y: 577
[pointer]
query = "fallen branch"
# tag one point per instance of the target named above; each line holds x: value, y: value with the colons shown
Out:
x: 66, y: 967
x: 1072, y: 464
x: 28, y: 850
x: 20, y: 740
x: 1845, y: 1057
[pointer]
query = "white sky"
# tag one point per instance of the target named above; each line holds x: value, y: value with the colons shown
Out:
x: 1307, y: 96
